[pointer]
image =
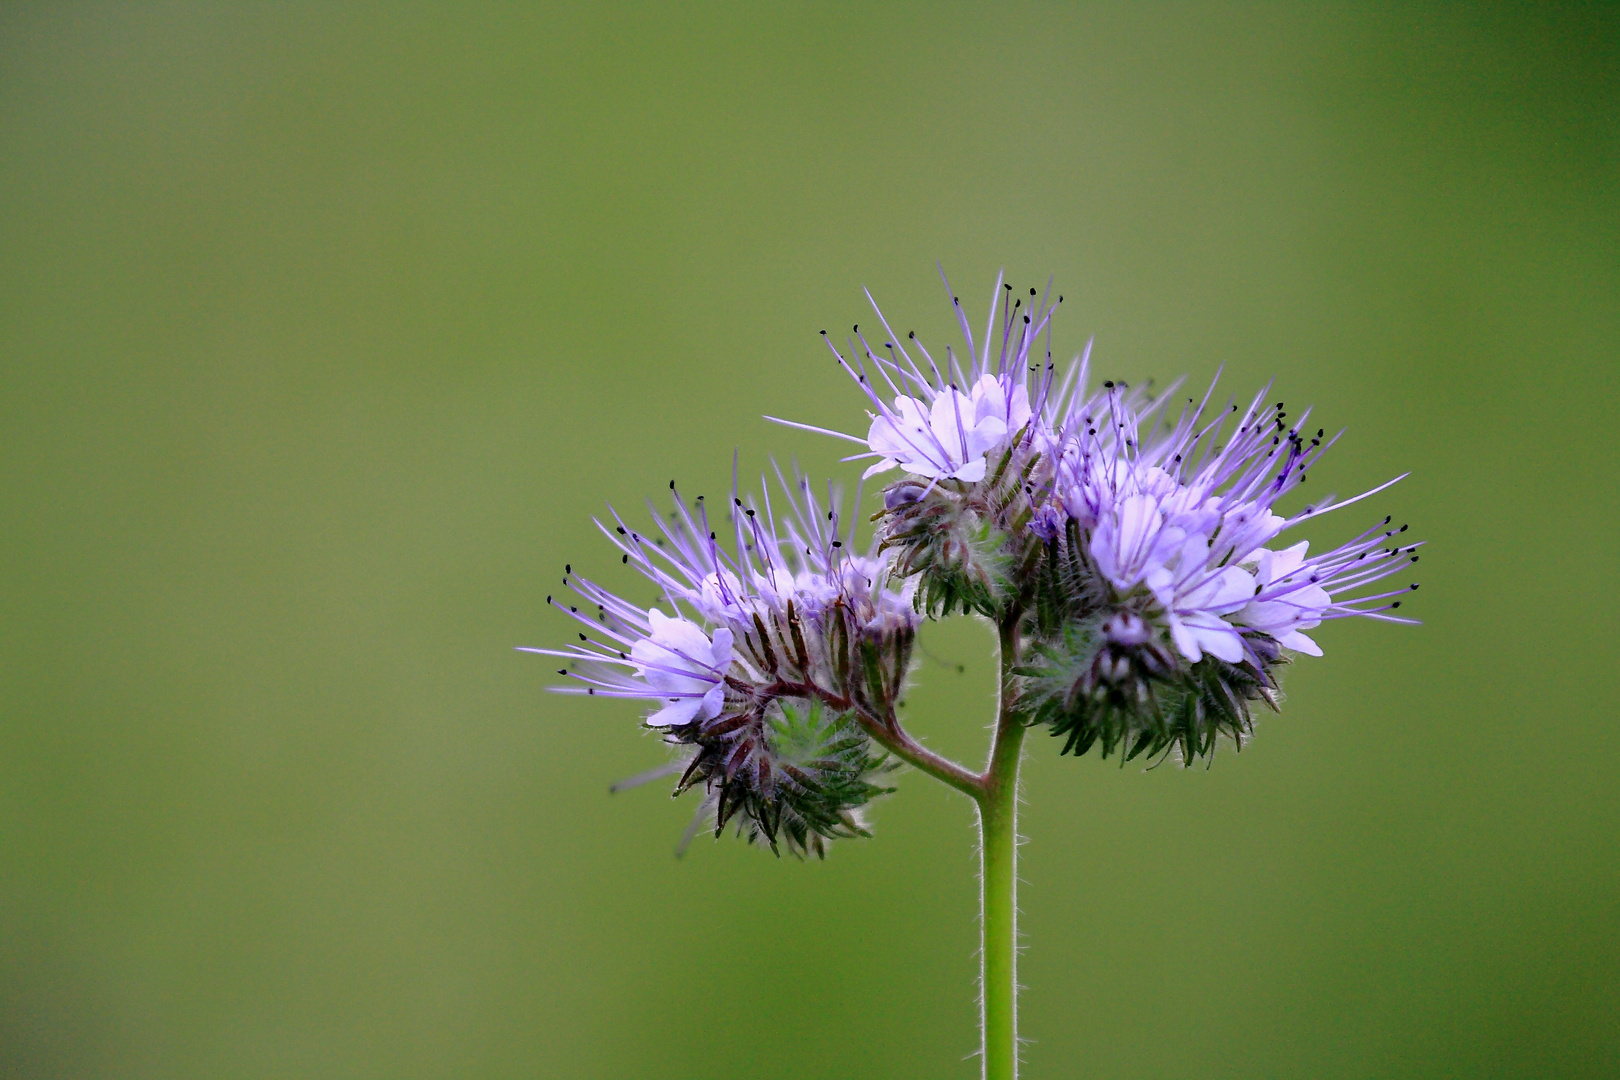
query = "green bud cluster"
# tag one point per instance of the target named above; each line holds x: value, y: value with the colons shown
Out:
x: 1102, y: 682
x: 791, y: 774
x: 966, y: 542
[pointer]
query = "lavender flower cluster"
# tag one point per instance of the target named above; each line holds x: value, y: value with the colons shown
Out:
x: 1126, y: 543
x: 774, y: 641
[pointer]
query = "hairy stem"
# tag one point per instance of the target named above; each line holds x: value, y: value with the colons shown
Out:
x: 998, y: 878
x: 898, y: 742
x: 888, y: 733
x: 995, y: 792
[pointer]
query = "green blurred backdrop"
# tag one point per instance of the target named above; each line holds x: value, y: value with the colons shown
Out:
x: 324, y: 330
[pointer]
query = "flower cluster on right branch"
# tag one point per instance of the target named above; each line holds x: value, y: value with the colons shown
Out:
x: 1132, y: 538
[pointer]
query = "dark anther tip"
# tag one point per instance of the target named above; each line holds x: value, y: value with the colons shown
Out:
x: 1032, y: 291
x: 824, y: 333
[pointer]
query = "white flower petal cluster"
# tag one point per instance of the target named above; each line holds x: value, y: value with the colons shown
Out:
x: 684, y: 664
x: 952, y: 437
x: 1161, y: 535
x: 1292, y: 601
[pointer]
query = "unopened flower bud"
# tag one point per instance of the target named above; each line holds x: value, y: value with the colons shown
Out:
x: 790, y: 772
x: 1117, y: 682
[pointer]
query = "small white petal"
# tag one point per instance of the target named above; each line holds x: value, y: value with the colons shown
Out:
x: 972, y: 471
x: 1186, y: 641
x: 676, y: 713
x: 1299, y: 643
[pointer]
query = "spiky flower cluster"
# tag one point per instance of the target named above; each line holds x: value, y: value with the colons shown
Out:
x: 772, y: 654
x: 1125, y: 544
x: 1129, y: 540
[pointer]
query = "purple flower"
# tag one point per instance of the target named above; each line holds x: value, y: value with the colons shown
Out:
x: 767, y: 665
x: 1186, y: 514
x: 950, y: 438
x: 680, y: 661
x: 928, y: 424
x: 1279, y: 610
x: 729, y: 607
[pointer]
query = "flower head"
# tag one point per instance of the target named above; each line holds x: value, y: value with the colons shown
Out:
x: 761, y: 662
x: 950, y: 438
x: 1175, y: 523
x: 1187, y: 514
x: 1102, y: 517
x: 950, y: 422
x: 684, y: 664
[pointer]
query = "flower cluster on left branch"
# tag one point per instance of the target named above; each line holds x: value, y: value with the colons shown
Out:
x: 769, y: 660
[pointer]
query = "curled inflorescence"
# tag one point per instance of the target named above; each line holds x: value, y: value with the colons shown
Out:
x: 776, y: 644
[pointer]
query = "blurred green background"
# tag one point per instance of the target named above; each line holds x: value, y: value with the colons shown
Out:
x: 324, y: 330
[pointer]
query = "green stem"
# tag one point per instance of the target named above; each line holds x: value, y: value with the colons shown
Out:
x: 892, y: 737
x: 995, y: 792
x: 998, y: 876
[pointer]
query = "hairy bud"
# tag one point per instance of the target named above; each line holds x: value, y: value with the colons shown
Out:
x: 966, y: 541
x: 790, y: 772
x: 1116, y: 681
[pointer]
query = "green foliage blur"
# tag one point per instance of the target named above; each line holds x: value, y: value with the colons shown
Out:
x: 325, y: 329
